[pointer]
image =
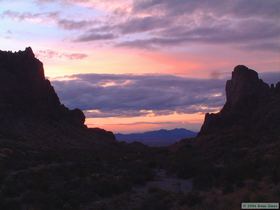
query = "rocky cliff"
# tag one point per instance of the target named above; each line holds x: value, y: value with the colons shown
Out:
x: 29, y: 105
x: 251, y: 105
x: 49, y: 160
x: 238, y: 147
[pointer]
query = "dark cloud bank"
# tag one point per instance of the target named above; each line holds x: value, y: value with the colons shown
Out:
x: 138, y: 95
x: 248, y: 25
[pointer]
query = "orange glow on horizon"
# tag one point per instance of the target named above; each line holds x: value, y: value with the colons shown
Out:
x: 144, y: 123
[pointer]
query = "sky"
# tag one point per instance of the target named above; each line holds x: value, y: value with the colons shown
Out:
x: 138, y: 65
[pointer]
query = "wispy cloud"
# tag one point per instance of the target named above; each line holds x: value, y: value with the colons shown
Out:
x: 49, y: 17
x: 93, y: 36
x: 28, y: 16
x: 74, y: 24
x: 55, y: 54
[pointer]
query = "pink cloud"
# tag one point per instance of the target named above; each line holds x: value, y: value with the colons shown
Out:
x: 55, y: 54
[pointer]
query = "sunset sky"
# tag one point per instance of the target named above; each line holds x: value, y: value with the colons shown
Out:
x: 137, y: 65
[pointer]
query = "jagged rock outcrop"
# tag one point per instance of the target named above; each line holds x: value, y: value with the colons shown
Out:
x: 28, y: 102
x: 250, y: 104
x: 25, y: 92
x: 49, y: 160
x: 238, y: 145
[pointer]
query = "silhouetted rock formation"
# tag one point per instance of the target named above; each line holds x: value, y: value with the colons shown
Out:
x: 238, y: 145
x: 49, y: 160
x: 29, y: 103
x: 250, y: 104
x: 25, y: 92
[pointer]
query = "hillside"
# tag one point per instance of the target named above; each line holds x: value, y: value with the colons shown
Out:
x: 235, y: 157
x: 49, y: 159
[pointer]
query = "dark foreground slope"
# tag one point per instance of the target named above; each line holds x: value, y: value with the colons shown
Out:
x: 48, y: 158
x: 236, y: 156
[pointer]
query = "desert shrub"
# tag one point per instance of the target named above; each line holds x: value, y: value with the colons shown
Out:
x: 9, y: 204
x: 139, y: 174
x: 275, y: 177
x: 239, y: 171
x: 228, y: 188
x: 154, y: 190
x: 203, y: 182
x: 157, y: 199
x: 276, y: 190
x: 109, y: 186
x: 207, y: 178
x: 192, y: 199
x: 261, y: 197
x: 246, y: 197
x: 240, y: 183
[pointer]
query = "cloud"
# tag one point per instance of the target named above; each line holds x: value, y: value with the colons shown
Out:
x: 239, y: 8
x: 155, y: 24
x: 73, y: 24
x: 28, y: 16
x: 53, y: 17
x: 264, y: 46
x: 55, y: 54
x: 270, y: 77
x: 139, y: 95
x: 162, y: 23
x: 135, y: 25
x: 93, y: 36
x: 113, y: 6
x: 248, y: 33
x: 128, y: 95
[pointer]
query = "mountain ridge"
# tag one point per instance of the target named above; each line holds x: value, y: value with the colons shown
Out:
x: 161, y: 137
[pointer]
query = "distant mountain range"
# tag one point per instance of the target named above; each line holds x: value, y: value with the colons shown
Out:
x: 157, y: 138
